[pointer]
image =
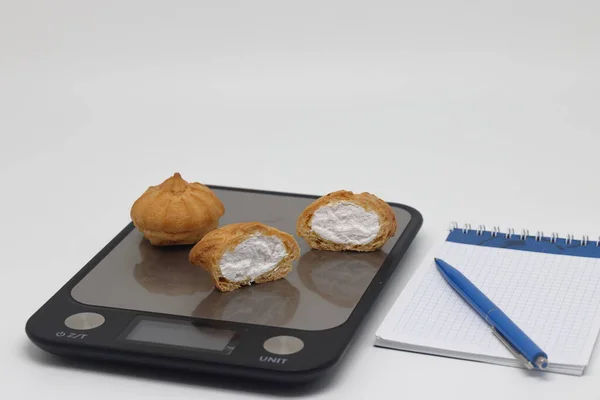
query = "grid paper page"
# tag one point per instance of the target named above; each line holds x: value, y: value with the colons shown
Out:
x: 555, y: 299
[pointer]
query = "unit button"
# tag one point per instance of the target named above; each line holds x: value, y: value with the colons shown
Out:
x: 84, y: 321
x: 283, y: 345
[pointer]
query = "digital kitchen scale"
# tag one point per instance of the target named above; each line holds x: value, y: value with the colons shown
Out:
x: 140, y: 304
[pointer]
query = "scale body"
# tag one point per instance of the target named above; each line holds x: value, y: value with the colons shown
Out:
x: 138, y: 304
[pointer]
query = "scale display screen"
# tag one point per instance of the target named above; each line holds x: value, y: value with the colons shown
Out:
x: 181, y: 334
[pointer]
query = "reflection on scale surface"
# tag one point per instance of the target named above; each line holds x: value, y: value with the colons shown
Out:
x: 320, y: 292
x: 273, y: 304
x: 339, y: 277
x: 170, y: 272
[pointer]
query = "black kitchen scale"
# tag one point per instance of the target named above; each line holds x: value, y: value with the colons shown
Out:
x: 140, y: 304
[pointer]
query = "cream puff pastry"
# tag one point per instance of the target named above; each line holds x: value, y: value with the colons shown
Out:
x: 342, y: 221
x: 240, y: 254
x: 176, y: 212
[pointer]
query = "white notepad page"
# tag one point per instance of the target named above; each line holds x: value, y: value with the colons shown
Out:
x: 555, y: 299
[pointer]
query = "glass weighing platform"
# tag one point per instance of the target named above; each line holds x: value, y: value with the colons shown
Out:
x: 146, y: 305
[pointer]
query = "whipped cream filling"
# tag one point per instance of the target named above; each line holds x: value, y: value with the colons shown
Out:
x: 345, y: 223
x: 252, y: 257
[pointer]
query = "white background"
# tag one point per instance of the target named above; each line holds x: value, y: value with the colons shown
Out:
x: 486, y: 112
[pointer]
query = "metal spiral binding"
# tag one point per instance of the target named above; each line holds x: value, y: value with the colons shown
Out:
x: 496, y: 231
x: 539, y: 235
x: 466, y: 228
x: 569, y: 238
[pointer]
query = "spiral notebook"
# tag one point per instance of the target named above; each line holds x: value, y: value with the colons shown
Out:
x: 549, y: 286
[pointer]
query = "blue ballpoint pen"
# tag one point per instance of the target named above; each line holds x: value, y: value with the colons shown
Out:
x: 503, y: 328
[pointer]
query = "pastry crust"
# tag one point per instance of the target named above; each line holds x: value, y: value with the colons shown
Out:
x: 208, y: 252
x: 176, y: 212
x: 368, y: 201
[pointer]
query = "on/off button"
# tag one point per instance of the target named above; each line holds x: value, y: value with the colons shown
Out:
x: 283, y: 345
x: 84, y: 321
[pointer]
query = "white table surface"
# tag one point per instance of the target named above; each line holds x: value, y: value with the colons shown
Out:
x: 466, y: 111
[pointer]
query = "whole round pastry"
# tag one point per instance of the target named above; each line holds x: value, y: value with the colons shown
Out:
x: 176, y: 212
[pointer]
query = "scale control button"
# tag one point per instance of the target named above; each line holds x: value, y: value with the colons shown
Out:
x: 84, y: 321
x: 283, y: 345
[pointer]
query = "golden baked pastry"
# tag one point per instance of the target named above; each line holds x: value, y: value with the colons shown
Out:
x: 176, y: 212
x: 343, y: 221
x: 244, y: 253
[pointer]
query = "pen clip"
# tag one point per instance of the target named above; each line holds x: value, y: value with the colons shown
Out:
x: 514, y: 351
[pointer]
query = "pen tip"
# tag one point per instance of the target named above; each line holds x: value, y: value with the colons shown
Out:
x: 541, y: 362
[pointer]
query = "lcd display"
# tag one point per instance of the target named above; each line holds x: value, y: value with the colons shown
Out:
x: 319, y: 293
x: 181, y: 334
